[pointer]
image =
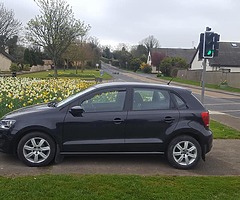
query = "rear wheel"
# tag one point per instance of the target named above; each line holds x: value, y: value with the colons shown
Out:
x: 184, y: 152
x: 36, y: 149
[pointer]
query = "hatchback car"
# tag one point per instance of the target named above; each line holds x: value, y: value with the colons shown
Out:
x: 111, y: 118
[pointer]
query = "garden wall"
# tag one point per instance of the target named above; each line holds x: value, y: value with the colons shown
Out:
x: 40, y: 68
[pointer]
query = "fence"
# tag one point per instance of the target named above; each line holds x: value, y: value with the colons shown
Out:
x: 212, y: 77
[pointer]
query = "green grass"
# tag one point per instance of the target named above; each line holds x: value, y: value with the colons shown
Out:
x: 197, y: 83
x: 104, y: 187
x: 221, y: 131
x: 86, y: 74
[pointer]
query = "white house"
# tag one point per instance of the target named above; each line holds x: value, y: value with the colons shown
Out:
x: 5, y: 61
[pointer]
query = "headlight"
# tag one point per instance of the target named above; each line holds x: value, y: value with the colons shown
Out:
x: 7, y: 123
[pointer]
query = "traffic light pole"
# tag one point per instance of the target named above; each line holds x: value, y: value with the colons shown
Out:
x: 208, y: 48
x: 204, y: 64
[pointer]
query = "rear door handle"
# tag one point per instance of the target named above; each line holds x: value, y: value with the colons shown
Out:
x: 117, y: 121
x: 169, y: 119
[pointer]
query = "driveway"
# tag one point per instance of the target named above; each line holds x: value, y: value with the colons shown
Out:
x: 223, y: 160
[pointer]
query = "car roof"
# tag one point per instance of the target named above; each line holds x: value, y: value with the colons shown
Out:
x: 140, y: 84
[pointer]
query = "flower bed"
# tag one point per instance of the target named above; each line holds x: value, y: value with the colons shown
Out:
x: 21, y: 92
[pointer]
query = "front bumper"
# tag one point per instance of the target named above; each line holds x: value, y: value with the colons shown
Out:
x: 6, y: 140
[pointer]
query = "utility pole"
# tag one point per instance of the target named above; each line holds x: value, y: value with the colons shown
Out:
x: 204, y: 64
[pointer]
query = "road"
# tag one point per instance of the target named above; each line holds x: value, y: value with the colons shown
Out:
x: 222, y: 106
x: 223, y: 160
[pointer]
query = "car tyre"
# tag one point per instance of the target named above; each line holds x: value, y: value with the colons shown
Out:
x: 184, y: 152
x: 36, y: 149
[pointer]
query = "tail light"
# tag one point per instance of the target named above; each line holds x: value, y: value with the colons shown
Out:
x: 205, y: 118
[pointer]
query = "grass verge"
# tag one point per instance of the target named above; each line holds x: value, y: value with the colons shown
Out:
x: 221, y: 131
x: 197, y: 83
x: 119, y: 187
x: 71, y: 73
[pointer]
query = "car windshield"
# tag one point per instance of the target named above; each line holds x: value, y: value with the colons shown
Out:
x: 70, y: 98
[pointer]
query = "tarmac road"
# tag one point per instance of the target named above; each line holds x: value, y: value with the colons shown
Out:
x: 223, y: 160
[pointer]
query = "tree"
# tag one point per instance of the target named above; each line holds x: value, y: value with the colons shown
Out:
x: 78, y: 53
x: 124, y: 58
x: 93, y: 42
x: 171, y: 64
x: 150, y: 42
x: 9, y: 26
x: 107, y: 53
x: 135, y: 64
x: 55, y: 29
x: 122, y: 47
x: 139, y: 51
x: 157, y: 58
x: 19, y: 54
x: 33, y: 56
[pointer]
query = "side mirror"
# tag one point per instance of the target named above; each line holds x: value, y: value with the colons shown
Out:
x: 76, y: 111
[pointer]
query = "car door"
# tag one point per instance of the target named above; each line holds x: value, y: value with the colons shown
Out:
x: 101, y: 125
x: 151, y: 118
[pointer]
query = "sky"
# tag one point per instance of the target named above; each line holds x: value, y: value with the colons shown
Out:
x: 175, y: 23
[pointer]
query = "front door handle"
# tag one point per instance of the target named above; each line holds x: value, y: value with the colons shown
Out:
x: 169, y: 119
x: 117, y: 121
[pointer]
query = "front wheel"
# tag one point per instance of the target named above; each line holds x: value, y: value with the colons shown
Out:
x: 184, y: 152
x: 36, y: 149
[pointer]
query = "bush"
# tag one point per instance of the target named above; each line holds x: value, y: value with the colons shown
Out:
x: 135, y: 64
x: 174, y: 72
x: 26, y: 67
x: 15, y: 67
x: 115, y: 63
x: 146, y: 68
x: 106, y: 60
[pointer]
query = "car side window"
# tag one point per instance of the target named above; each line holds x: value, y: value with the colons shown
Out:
x: 105, y: 101
x: 180, y: 103
x: 150, y: 99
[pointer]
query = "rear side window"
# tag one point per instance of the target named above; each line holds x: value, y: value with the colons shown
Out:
x: 150, y: 99
x: 180, y: 103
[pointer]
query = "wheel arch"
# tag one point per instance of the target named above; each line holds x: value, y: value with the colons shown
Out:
x: 189, y: 133
x: 28, y: 130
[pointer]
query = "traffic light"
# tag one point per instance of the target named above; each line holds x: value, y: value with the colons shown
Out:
x: 208, y: 44
x: 216, y: 44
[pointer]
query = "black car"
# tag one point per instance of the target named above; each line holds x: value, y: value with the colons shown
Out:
x: 111, y: 118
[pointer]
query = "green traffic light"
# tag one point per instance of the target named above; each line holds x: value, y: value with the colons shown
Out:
x: 209, y: 52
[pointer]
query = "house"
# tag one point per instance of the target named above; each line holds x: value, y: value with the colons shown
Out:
x: 5, y: 61
x: 186, y: 54
x: 228, y: 59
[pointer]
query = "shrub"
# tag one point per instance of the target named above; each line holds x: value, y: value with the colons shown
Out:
x: 15, y: 67
x: 115, y: 63
x: 146, y: 68
x: 26, y: 67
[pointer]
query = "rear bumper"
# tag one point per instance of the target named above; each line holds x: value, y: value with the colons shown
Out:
x: 207, y: 145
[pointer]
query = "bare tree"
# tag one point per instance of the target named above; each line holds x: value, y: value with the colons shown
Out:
x: 9, y: 26
x: 78, y: 53
x: 150, y: 42
x: 94, y: 42
x: 55, y: 29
